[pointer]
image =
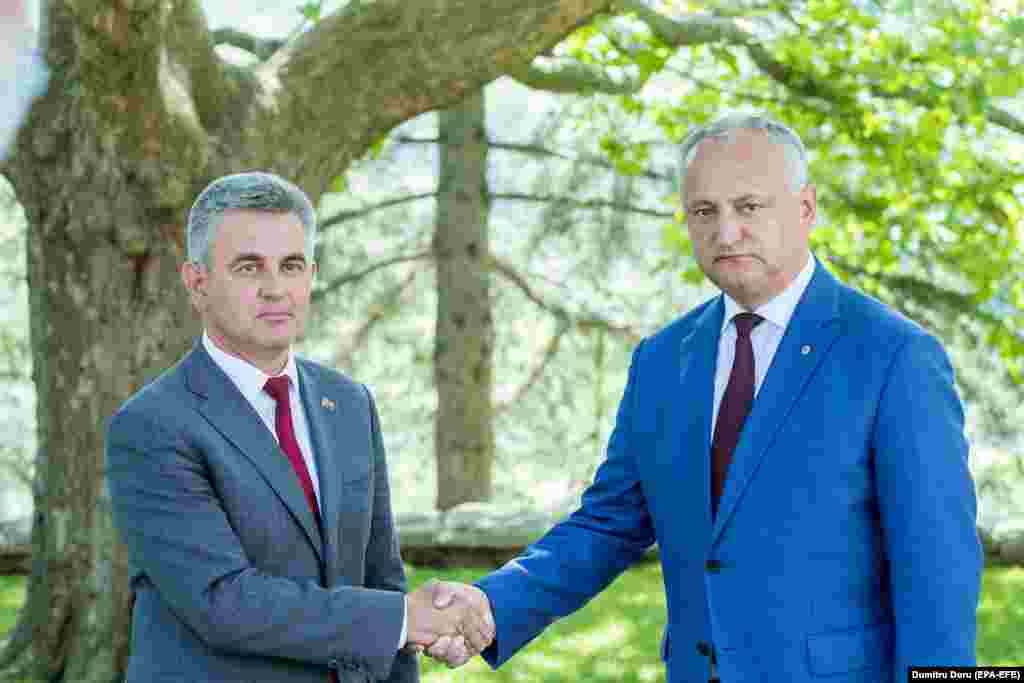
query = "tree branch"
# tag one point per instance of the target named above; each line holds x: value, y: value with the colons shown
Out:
x: 571, y: 77
x: 580, y: 322
x: 591, y: 204
x: 380, y: 310
x: 550, y: 350
x: 701, y: 29
x: 352, y: 214
x: 218, y: 94
x: 351, y: 278
x: 264, y: 48
x: 541, y: 151
x: 354, y: 67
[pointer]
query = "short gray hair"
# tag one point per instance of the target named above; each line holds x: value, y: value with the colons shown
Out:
x: 726, y: 126
x: 254, y: 190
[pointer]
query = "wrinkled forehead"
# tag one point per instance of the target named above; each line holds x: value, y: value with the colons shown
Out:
x: 740, y: 163
x: 270, y: 233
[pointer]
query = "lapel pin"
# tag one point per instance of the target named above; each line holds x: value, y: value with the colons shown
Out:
x: 805, y: 349
x: 326, y: 403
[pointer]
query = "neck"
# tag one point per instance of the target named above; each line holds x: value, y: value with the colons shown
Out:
x: 268, y: 364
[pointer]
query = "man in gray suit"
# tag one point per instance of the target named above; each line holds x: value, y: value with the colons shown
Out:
x: 23, y: 73
x: 250, y: 485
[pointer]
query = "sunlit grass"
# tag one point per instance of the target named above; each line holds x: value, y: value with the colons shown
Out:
x: 12, y: 596
x: 616, y: 636
x: 1001, y: 618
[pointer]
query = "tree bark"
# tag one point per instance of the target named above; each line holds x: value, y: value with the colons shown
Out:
x: 464, y: 337
x: 139, y: 116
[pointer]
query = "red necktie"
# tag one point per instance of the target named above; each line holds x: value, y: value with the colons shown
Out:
x: 277, y: 387
x: 735, y: 406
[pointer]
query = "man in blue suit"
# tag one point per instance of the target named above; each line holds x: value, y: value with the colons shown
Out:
x: 795, y: 448
x: 250, y: 485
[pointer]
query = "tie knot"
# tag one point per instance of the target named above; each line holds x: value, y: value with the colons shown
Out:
x: 277, y: 387
x: 745, y: 322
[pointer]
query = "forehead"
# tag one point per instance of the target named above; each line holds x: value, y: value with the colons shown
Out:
x: 266, y: 233
x: 745, y: 162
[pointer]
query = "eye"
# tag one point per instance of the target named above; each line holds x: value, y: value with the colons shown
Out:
x: 246, y: 268
x: 750, y: 207
x: 295, y: 267
x: 703, y: 212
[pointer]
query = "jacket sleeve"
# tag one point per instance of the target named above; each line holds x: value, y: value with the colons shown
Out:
x: 580, y: 556
x: 177, y: 533
x: 928, y: 510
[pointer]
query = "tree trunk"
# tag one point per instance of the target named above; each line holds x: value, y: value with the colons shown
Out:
x: 464, y: 337
x: 140, y: 115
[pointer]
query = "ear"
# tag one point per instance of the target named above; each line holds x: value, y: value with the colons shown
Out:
x: 808, y: 206
x: 194, y: 278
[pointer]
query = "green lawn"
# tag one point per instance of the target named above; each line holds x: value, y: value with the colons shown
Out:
x: 615, y: 637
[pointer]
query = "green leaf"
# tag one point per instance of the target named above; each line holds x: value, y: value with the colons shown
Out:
x: 312, y: 10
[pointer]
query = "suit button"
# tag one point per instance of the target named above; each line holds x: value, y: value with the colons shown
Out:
x: 713, y: 565
x: 703, y: 648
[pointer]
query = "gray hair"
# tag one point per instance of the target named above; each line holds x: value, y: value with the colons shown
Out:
x: 253, y: 190
x: 726, y: 126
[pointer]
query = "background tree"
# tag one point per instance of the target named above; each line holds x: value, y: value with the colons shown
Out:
x: 141, y: 114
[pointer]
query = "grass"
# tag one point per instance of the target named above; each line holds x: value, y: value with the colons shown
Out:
x: 616, y: 636
x: 12, y: 596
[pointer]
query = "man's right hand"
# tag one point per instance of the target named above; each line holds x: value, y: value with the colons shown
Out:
x: 438, y: 613
x: 454, y: 650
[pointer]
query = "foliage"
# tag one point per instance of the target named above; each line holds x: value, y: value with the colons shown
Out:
x: 915, y: 150
x: 12, y: 595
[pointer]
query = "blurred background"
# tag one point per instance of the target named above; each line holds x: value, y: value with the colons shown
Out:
x: 913, y: 114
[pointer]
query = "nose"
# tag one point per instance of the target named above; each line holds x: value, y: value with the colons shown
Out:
x: 729, y: 229
x: 271, y: 286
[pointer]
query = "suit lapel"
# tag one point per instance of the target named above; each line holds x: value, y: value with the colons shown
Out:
x: 230, y: 413
x: 810, y: 334
x: 698, y: 354
x: 318, y: 411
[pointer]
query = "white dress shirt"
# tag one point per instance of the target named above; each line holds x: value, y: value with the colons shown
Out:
x: 250, y: 380
x: 764, y: 338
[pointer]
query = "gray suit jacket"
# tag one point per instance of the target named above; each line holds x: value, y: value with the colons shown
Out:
x: 233, y: 580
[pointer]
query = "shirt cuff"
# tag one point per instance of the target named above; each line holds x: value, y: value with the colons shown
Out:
x: 405, y: 617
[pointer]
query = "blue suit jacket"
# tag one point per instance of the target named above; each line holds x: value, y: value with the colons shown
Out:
x: 845, y: 543
x: 233, y: 579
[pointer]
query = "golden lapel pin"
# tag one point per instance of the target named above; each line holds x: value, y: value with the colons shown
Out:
x: 326, y: 403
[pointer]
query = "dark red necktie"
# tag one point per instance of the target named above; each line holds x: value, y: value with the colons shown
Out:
x: 277, y: 387
x: 736, y: 402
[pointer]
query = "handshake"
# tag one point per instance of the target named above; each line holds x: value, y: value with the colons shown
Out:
x: 451, y: 621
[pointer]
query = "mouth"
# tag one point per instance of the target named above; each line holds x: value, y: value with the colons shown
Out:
x: 733, y: 258
x: 275, y: 317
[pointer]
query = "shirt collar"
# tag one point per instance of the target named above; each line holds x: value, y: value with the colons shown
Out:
x: 780, y: 308
x: 249, y: 379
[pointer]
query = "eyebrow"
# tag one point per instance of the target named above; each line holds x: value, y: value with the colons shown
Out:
x: 764, y: 199
x: 249, y: 257
x: 749, y: 196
